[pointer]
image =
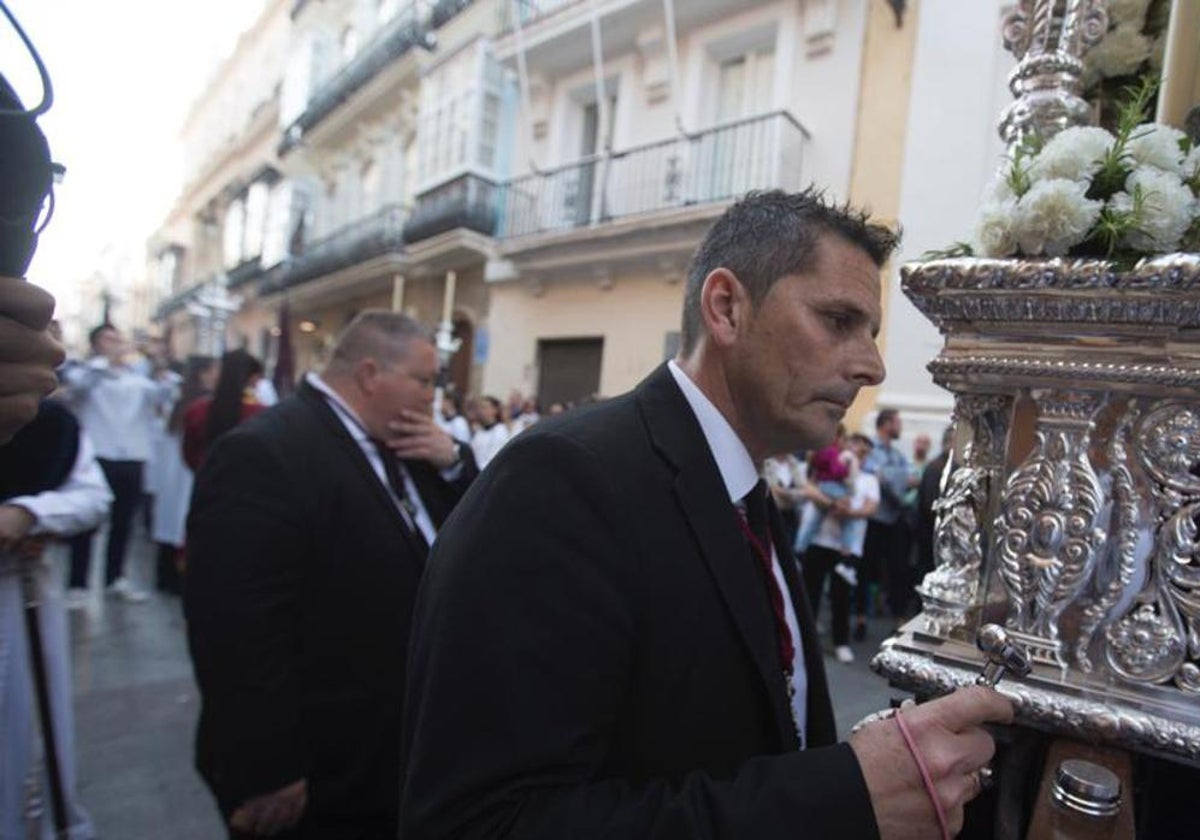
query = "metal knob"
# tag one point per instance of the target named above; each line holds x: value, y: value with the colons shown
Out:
x: 1087, y: 788
x: 1003, y: 654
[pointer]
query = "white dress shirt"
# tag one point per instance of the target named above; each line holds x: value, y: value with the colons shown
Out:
x: 488, y: 442
x: 740, y: 475
x: 79, y: 504
x: 354, y: 425
x: 116, y: 407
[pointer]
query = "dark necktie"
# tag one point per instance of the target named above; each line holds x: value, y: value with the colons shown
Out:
x: 758, y: 534
x: 391, y: 469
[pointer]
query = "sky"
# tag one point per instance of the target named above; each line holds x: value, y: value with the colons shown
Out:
x: 124, y: 73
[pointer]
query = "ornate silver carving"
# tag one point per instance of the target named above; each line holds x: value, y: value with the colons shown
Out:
x: 1047, y: 532
x: 1049, y: 37
x: 973, y: 367
x: 1124, y: 542
x: 1116, y: 724
x: 1153, y: 293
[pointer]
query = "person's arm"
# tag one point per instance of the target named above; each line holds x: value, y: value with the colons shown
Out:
x: 248, y: 543
x: 77, y: 505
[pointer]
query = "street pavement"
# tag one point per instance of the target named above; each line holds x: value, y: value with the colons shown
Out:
x: 136, y: 706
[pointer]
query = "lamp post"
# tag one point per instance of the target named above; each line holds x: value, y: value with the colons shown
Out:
x: 445, y: 342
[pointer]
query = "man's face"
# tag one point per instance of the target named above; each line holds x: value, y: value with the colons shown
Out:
x: 860, y: 448
x: 407, y: 384
x: 110, y: 344
x: 921, y: 445
x: 801, y: 357
x: 892, y: 429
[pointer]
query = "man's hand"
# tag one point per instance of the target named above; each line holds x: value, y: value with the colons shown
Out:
x: 15, y: 522
x: 954, y: 745
x: 271, y: 813
x: 415, y: 436
x: 28, y: 353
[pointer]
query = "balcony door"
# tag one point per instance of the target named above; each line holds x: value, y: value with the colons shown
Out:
x: 583, y: 196
x: 735, y: 156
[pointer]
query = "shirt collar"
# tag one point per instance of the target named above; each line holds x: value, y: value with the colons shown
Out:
x: 733, y: 461
x: 355, y: 426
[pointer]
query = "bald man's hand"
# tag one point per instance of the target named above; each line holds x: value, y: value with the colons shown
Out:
x: 28, y: 353
x: 950, y: 736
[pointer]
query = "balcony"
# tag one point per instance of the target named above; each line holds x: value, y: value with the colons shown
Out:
x: 468, y: 201
x: 244, y: 272
x: 716, y: 165
x: 180, y: 299
x: 392, y: 42
x: 526, y: 12
x: 355, y: 243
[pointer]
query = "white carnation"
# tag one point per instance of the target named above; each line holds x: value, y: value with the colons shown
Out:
x: 993, y: 235
x: 1074, y: 153
x: 1128, y: 12
x: 999, y: 189
x: 1191, y: 164
x: 1120, y: 53
x: 1158, y: 145
x: 1053, y: 217
x: 1168, y: 208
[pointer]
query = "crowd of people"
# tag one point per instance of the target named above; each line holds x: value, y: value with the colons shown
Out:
x: 474, y: 622
x: 859, y: 514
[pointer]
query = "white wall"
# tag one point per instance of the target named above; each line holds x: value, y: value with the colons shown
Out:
x: 952, y: 149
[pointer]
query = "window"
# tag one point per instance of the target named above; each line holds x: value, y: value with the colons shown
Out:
x: 460, y: 115
x: 745, y: 85
x: 168, y: 269
x: 235, y: 228
x: 256, y: 220
x: 349, y: 44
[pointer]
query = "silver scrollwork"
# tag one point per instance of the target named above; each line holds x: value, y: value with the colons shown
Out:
x: 1048, y: 529
x: 1049, y: 38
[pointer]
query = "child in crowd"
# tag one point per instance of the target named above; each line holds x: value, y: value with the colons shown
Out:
x: 833, y: 470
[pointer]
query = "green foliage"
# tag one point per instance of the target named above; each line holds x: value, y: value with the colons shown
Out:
x: 958, y: 249
x: 1131, y: 120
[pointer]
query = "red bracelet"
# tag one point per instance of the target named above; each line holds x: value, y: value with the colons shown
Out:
x: 925, y: 777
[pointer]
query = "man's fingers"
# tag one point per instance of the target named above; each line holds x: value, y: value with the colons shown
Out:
x: 969, y: 707
x: 20, y: 343
x: 26, y: 379
x: 25, y: 303
x: 15, y: 412
x: 977, y: 747
x: 240, y: 819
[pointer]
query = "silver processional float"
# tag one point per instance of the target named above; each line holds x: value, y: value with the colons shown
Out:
x: 1067, y: 528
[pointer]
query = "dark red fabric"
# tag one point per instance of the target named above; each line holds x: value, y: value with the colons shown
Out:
x: 195, y: 424
x: 754, y: 526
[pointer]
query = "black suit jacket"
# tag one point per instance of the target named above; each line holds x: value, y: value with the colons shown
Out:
x: 594, y: 653
x: 300, y: 584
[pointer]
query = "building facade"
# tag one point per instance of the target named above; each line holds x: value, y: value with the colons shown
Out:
x: 535, y: 174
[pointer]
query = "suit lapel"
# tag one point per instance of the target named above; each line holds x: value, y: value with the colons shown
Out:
x: 355, y: 455
x: 713, y: 520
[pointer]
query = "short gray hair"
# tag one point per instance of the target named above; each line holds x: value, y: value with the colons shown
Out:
x: 377, y: 334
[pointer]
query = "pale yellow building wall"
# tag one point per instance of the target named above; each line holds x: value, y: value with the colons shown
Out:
x: 881, y: 130
x: 633, y: 318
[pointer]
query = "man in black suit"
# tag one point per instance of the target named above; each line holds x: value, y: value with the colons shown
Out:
x: 607, y: 644
x: 308, y: 533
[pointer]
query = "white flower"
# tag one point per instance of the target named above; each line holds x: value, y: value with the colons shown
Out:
x: 1120, y: 53
x: 999, y: 189
x: 1128, y: 12
x: 1074, y: 153
x: 1167, y: 210
x: 1053, y: 217
x: 993, y: 235
x: 1158, y: 145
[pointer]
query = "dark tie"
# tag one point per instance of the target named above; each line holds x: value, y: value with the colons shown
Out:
x: 391, y: 469
x: 758, y: 533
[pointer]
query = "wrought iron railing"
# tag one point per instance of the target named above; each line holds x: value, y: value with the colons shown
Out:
x: 377, y: 234
x: 526, y: 12
x: 718, y: 164
x: 468, y: 201
x: 180, y: 299
x: 244, y: 272
x: 395, y: 39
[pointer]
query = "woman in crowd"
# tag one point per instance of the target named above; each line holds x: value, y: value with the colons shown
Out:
x: 492, y: 433
x: 174, y: 489
x: 234, y: 401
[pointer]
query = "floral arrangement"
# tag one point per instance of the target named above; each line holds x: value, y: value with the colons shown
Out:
x: 1090, y: 192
